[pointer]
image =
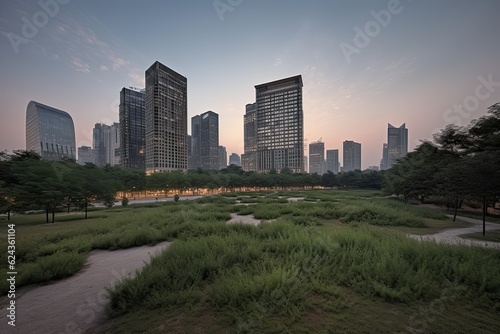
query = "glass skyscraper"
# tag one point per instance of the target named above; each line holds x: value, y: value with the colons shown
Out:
x: 50, y: 132
x: 332, y: 161
x: 351, y: 156
x: 132, y: 128
x: 249, y: 158
x: 397, y: 144
x: 166, y: 120
x: 317, y: 157
x: 280, y: 131
x: 205, y: 141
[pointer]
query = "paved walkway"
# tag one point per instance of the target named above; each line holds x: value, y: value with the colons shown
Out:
x: 77, y: 303
x: 452, y: 237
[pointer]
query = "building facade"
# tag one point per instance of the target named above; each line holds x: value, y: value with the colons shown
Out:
x: 249, y: 157
x: 222, y: 157
x: 205, y: 141
x: 280, y: 125
x: 85, y: 155
x: 50, y: 132
x: 166, y: 119
x: 351, y: 156
x: 332, y: 161
x: 114, y: 152
x: 132, y: 128
x: 397, y: 145
x: 234, y: 159
x: 317, y: 158
x: 101, y: 139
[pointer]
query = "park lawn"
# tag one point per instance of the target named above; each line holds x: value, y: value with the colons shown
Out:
x: 490, y: 236
x: 336, y: 261
x: 351, y: 313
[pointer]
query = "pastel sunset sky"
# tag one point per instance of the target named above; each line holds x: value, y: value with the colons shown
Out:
x: 363, y: 63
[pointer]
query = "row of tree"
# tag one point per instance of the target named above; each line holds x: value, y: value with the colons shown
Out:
x: 463, y: 162
x: 30, y: 183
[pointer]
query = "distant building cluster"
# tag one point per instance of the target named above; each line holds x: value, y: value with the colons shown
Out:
x: 152, y: 133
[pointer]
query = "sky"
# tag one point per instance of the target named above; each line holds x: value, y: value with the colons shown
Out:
x: 364, y: 64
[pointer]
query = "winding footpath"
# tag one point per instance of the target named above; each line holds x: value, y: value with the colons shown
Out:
x: 452, y: 237
x: 77, y: 303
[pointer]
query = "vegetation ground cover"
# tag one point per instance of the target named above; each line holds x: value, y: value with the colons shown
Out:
x: 336, y: 261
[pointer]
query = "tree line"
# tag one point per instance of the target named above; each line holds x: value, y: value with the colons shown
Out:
x: 462, y: 162
x: 28, y: 182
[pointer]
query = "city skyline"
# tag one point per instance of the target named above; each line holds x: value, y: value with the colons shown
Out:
x: 401, y: 71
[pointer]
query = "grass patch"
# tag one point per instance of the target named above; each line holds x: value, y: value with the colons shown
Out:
x: 490, y: 236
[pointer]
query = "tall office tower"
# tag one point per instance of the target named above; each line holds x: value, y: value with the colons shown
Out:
x: 397, y: 144
x: 385, y: 153
x: 306, y: 164
x: 190, y: 152
x: 332, y: 161
x: 114, y: 144
x: 234, y: 159
x: 249, y: 157
x: 85, y: 155
x: 222, y: 157
x: 166, y: 119
x: 50, y: 132
x: 352, y: 156
x: 209, y: 144
x: 280, y: 125
x: 195, y: 161
x: 132, y: 128
x: 317, y: 157
x: 101, y: 134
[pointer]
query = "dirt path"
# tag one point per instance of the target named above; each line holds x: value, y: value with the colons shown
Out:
x: 77, y: 303
x: 452, y: 236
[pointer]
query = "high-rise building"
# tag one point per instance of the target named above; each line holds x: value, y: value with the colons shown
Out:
x: 249, y: 157
x: 383, y: 162
x: 280, y: 129
x: 114, y: 144
x: 397, y: 145
x: 50, y: 132
x: 205, y: 141
x: 166, y: 119
x: 317, y: 157
x: 222, y: 157
x: 332, y: 161
x: 195, y: 159
x: 101, y: 140
x: 86, y: 155
x: 234, y: 159
x: 351, y: 156
x: 132, y: 128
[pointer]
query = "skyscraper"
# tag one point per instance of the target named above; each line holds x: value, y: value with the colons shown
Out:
x: 234, y: 159
x: 86, y: 155
x: 114, y: 144
x: 195, y: 158
x: 332, y: 161
x: 132, y: 128
x: 280, y: 130
x: 351, y: 156
x: 222, y: 157
x: 317, y: 157
x: 249, y: 157
x: 205, y: 141
x: 397, y: 145
x: 101, y: 134
x: 166, y: 119
x: 50, y: 132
